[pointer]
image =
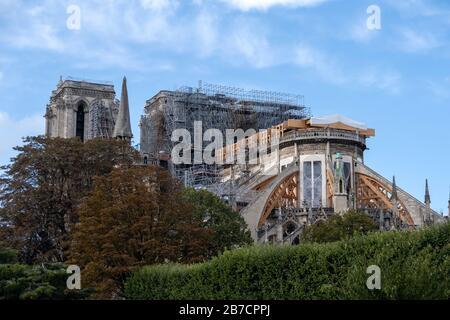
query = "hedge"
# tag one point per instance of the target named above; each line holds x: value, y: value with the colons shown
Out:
x: 8, y: 255
x: 414, y: 265
x: 34, y: 282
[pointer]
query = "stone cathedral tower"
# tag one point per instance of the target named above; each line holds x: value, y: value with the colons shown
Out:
x: 87, y: 110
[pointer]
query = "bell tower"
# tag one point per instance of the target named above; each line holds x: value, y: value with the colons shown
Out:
x: 78, y: 108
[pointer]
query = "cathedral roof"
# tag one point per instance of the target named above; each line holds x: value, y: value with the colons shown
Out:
x: 332, y: 122
x: 337, y: 118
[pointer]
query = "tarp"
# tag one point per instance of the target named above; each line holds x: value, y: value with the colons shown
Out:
x: 337, y: 118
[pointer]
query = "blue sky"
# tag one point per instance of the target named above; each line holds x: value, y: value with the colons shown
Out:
x: 396, y: 79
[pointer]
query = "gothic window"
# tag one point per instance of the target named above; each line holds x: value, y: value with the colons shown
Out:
x: 307, y: 183
x: 80, y: 121
x: 347, y: 176
x: 317, y: 183
x: 312, y: 183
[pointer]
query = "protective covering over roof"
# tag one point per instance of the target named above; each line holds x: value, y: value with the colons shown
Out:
x: 326, y: 120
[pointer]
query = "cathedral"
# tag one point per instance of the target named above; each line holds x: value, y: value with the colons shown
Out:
x: 316, y: 170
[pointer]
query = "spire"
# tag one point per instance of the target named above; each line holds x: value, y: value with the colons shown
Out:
x: 394, y: 202
x: 394, y: 190
x: 448, y: 214
x: 427, y: 193
x: 122, y: 129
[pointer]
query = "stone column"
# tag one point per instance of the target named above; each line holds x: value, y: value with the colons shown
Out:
x: 300, y: 185
x: 279, y: 226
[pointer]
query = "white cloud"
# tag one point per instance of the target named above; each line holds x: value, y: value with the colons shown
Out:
x: 412, y: 41
x: 8, y: 6
x: 123, y: 34
x: 360, y: 33
x: 414, y: 8
x: 12, y: 130
x: 159, y: 5
x: 246, y: 5
x: 32, y: 26
x: 247, y: 46
x: 332, y: 71
x: 206, y: 31
x: 112, y: 56
x: 38, y: 35
x: 308, y: 57
x: 105, y: 35
x: 385, y: 80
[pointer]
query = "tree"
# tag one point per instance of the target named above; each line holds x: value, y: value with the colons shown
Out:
x: 339, y: 227
x: 134, y: 217
x: 228, y: 227
x: 43, y: 186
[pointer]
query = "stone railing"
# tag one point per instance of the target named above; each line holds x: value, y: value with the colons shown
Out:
x: 322, y: 134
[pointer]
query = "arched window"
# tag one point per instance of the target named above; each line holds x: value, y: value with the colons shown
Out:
x: 312, y: 183
x: 80, y: 121
x: 145, y: 160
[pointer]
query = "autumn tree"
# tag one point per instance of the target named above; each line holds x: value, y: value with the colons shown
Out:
x: 134, y: 217
x: 339, y: 227
x: 42, y: 187
x: 228, y: 227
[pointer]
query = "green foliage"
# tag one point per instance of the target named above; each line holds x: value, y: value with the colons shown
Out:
x: 162, y: 281
x: 7, y: 256
x: 229, y: 228
x: 414, y: 265
x: 339, y: 227
x: 36, y: 283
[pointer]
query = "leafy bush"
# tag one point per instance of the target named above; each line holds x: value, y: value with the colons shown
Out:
x: 229, y: 228
x: 414, y: 265
x: 25, y: 282
x: 8, y: 256
x: 339, y: 227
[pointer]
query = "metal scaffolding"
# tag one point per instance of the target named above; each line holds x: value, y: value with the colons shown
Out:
x: 216, y: 106
x: 101, y: 121
x: 260, y: 97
